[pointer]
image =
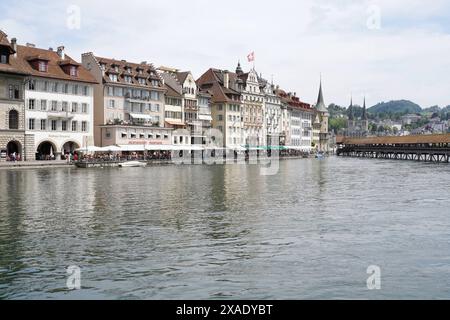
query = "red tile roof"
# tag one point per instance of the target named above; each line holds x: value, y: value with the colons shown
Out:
x: 27, y: 54
x: 213, y: 80
x: 149, y: 72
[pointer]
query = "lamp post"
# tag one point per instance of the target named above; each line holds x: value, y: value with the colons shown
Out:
x: 26, y: 81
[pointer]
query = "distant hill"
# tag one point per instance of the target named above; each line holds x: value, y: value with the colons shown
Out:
x: 432, y: 109
x: 399, y: 106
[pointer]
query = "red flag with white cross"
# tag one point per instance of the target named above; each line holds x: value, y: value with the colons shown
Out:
x: 251, y: 57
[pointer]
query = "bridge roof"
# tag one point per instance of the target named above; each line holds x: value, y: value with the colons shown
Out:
x: 416, y: 139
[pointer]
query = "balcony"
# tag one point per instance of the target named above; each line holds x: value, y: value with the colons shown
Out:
x: 59, y: 114
x: 137, y: 99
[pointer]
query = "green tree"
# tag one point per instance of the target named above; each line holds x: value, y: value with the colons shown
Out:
x: 337, y: 124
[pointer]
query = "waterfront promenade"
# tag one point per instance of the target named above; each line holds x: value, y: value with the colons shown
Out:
x: 98, y: 163
x: 34, y: 164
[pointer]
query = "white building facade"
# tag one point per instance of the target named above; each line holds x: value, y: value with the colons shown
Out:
x: 59, y: 114
x: 58, y: 102
x: 273, y: 116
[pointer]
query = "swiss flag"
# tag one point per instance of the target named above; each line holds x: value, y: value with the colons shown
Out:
x: 251, y: 57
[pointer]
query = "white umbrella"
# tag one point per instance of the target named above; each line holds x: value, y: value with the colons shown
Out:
x: 111, y: 149
x: 90, y: 149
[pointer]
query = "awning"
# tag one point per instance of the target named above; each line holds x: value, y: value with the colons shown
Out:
x: 175, y: 123
x: 301, y: 148
x: 188, y: 147
x: 141, y: 116
x: 203, y: 117
x: 90, y: 149
x: 111, y: 149
x: 157, y: 147
x: 131, y: 148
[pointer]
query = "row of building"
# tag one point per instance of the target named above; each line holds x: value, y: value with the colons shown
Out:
x: 52, y: 105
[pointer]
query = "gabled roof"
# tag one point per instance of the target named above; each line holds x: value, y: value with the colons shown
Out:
x: 170, y: 92
x: 14, y: 66
x: 4, y: 42
x: 172, y: 86
x: 181, y: 76
x: 26, y: 54
x: 213, y: 80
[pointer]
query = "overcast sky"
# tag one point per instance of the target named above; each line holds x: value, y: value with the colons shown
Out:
x: 384, y: 49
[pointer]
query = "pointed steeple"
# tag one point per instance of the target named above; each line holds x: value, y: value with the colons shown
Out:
x: 320, y: 105
x: 364, y: 114
x: 239, y: 69
x: 350, y: 110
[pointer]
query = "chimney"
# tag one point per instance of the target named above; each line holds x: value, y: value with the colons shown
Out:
x: 50, y: 49
x: 14, y: 46
x: 144, y: 62
x: 60, y: 52
x: 31, y: 45
x: 226, y: 79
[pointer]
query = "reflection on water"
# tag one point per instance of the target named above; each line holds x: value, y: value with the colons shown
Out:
x: 198, y: 232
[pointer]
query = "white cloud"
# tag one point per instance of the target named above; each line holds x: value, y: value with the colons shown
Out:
x: 293, y: 40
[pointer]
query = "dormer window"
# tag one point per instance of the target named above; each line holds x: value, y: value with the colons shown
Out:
x: 4, y: 53
x: 113, y: 77
x: 69, y: 67
x: 127, y: 79
x: 43, y: 66
x: 103, y: 66
x: 73, y: 71
x: 116, y: 68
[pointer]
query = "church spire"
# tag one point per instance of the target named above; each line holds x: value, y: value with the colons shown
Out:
x: 350, y: 109
x: 239, y: 69
x: 364, y: 114
x: 320, y: 105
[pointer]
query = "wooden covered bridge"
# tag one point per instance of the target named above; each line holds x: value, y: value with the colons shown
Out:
x: 431, y: 148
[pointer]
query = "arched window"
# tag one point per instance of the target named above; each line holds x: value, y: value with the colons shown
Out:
x: 13, y: 120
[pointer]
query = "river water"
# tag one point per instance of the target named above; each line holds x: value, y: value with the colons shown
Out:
x: 227, y: 232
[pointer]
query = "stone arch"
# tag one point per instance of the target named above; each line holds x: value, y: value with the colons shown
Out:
x: 45, y: 149
x: 70, y: 146
x: 14, y: 148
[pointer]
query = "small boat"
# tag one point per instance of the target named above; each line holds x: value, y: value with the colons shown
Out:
x: 320, y: 155
x: 132, y: 164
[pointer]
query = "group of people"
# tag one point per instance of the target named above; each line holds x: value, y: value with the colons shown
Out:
x: 70, y: 157
x: 127, y: 156
x: 13, y: 157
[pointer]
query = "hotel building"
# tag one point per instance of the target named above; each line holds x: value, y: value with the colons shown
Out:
x: 226, y: 106
x: 129, y: 102
x: 12, y: 107
x: 273, y: 114
x: 253, y: 99
x: 58, y: 102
